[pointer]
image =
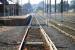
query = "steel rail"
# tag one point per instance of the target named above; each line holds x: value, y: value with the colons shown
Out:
x: 47, y: 38
x: 24, y: 37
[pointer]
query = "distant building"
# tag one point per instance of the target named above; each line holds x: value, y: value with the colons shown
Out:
x: 9, y: 10
x: 27, y: 8
x: 1, y: 9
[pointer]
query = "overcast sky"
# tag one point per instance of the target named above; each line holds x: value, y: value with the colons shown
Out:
x: 36, y: 1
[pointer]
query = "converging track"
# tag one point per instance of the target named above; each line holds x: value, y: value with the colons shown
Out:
x: 61, y: 41
x: 35, y: 38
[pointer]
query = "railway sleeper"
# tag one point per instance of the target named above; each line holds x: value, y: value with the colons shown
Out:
x: 34, y: 40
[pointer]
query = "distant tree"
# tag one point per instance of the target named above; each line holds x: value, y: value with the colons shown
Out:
x: 27, y: 8
x: 73, y: 5
x: 63, y: 6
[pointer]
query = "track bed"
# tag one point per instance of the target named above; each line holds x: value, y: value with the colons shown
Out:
x: 34, y: 40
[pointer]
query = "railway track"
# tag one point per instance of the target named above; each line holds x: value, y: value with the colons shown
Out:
x: 61, y: 41
x: 35, y: 38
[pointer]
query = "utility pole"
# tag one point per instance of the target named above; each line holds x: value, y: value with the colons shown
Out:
x: 4, y: 8
x: 62, y: 18
x: 50, y: 10
x: 21, y: 9
x: 61, y: 6
x: 67, y: 7
x: 50, y: 6
x: 55, y: 6
x: 4, y: 12
x: 47, y: 13
x: 47, y: 6
x: 17, y: 7
x: 13, y: 9
x: 55, y: 9
x: 43, y: 7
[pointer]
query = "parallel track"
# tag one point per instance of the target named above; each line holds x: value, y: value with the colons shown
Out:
x: 35, y: 38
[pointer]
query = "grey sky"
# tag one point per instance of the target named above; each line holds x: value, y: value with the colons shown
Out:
x: 34, y: 1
